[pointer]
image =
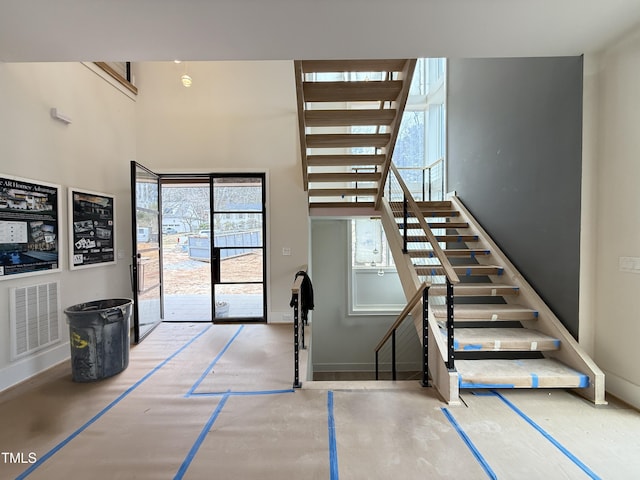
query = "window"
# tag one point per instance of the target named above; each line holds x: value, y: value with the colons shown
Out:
x: 419, y: 155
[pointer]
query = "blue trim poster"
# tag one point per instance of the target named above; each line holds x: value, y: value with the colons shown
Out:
x: 29, y: 233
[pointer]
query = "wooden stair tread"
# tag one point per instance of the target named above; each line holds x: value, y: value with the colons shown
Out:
x: 414, y: 225
x: 484, y: 312
x: 342, y: 204
x: 345, y: 177
x: 502, y: 339
x: 339, y: 192
x: 431, y: 205
x: 345, y: 118
x: 466, y: 270
x: 359, y: 65
x: 439, y: 213
x: 522, y: 373
x: 450, y: 252
x: 344, y: 160
x: 347, y: 140
x: 476, y: 289
x: 356, y: 91
x: 443, y: 238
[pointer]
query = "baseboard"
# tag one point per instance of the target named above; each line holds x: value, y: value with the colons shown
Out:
x: 364, y: 367
x: 20, y: 371
x: 623, y: 389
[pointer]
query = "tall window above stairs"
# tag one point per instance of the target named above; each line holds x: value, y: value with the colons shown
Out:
x: 420, y: 147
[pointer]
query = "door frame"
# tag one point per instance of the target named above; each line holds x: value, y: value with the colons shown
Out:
x: 135, y: 271
x: 215, y: 260
x: 207, y: 179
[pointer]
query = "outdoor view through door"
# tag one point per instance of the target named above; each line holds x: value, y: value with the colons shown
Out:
x: 213, y: 230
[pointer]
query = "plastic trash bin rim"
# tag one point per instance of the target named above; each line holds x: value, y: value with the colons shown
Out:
x: 96, y: 306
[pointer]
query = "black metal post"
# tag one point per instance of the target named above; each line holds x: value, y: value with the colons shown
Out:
x: 296, y: 347
x: 429, y: 183
x: 393, y: 355
x: 450, y: 344
x: 425, y: 337
x: 405, y: 224
x: 302, y: 324
x: 376, y: 365
x: 424, y: 178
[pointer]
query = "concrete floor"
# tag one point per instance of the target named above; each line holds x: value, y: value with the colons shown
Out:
x: 200, y: 401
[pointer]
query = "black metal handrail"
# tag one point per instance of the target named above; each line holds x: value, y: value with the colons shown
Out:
x: 421, y: 294
x: 410, y: 207
x: 428, y: 181
x: 295, y: 300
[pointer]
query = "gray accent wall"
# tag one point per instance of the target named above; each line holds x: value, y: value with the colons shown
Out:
x: 515, y: 160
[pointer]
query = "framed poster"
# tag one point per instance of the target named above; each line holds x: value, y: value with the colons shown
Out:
x: 29, y: 227
x: 92, y: 229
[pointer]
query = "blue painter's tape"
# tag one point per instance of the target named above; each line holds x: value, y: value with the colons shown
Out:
x: 233, y: 394
x: 487, y: 252
x: 430, y: 254
x: 473, y: 254
x: 546, y: 435
x: 62, y: 444
x: 333, y: 450
x: 433, y: 272
x: 465, y: 438
x: 459, y: 239
x: 556, y: 343
x: 463, y: 384
x: 584, y: 381
x: 536, y: 314
x: 212, y: 364
x: 473, y: 347
x: 534, y: 380
x: 500, y: 271
x: 203, y: 434
x: 469, y: 272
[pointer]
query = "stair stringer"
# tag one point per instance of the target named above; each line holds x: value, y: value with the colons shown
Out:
x: 446, y: 382
x: 570, y: 353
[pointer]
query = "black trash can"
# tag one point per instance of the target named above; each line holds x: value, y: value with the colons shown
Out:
x: 99, y: 338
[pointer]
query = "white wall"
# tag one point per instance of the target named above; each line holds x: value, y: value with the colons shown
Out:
x: 237, y: 116
x: 92, y: 153
x: 617, y: 210
x: 344, y: 342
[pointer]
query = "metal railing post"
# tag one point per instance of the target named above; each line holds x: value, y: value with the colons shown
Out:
x: 302, y: 323
x: 405, y: 214
x: 393, y: 356
x: 296, y: 346
x: 377, y: 370
x: 450, y: 343
x: 425, y: 337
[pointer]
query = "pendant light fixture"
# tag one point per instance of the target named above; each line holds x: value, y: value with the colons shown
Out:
x: 185, y: 78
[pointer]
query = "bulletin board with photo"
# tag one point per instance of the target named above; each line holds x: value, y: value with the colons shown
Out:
x: 92, y: 229
x: 29, y: 227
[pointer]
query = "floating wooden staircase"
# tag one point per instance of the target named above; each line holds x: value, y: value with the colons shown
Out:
x: 505, y: 336
x: 349, y: 113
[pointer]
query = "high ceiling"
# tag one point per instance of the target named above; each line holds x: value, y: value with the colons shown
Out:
x: 145, y: 30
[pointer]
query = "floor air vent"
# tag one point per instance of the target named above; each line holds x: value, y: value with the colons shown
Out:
x: 35, y: 318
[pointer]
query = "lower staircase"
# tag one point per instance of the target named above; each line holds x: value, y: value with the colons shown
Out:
x: 504, y: 335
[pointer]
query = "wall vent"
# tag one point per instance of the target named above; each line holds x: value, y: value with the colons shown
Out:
x: 34, y: 318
